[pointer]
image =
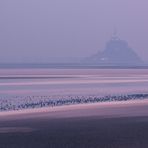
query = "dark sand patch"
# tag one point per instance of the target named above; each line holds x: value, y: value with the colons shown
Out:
x: 84, y: 132
x: 123, y: 125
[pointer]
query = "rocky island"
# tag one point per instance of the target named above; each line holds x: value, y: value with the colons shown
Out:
x: 116, y: 53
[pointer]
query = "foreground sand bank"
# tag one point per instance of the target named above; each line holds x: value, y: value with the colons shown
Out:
x: 106, y: 109
x: 98, y: 125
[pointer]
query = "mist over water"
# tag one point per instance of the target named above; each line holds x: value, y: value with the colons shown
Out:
x: 44, y: 31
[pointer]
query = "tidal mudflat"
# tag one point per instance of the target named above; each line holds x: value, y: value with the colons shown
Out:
x: 100, y: 124
x: 36, y: 88
x: 106, y: 125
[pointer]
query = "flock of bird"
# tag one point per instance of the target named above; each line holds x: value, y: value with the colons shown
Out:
x: 8, y: 103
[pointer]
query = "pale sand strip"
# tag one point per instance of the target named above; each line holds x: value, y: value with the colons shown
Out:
x: 106, y: 109
x: 15, y: 130
x: 49, y: 82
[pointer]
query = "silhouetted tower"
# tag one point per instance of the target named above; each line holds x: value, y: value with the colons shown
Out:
x: 115, y: 35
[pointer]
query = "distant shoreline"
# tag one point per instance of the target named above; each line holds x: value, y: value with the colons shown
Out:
x: 71, y: 66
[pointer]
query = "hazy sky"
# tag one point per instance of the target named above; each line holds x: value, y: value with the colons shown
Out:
x: 35, y: 30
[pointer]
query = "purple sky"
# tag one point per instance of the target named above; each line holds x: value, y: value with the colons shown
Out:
x: 35, y: 30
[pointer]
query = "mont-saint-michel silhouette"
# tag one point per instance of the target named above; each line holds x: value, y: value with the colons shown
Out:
x: 116, y: 52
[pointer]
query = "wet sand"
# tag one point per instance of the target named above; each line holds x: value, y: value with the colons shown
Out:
x: 104, y: 109
x: 99, y: 125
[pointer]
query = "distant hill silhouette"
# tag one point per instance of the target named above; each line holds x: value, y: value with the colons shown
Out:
x: 117, y: 52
